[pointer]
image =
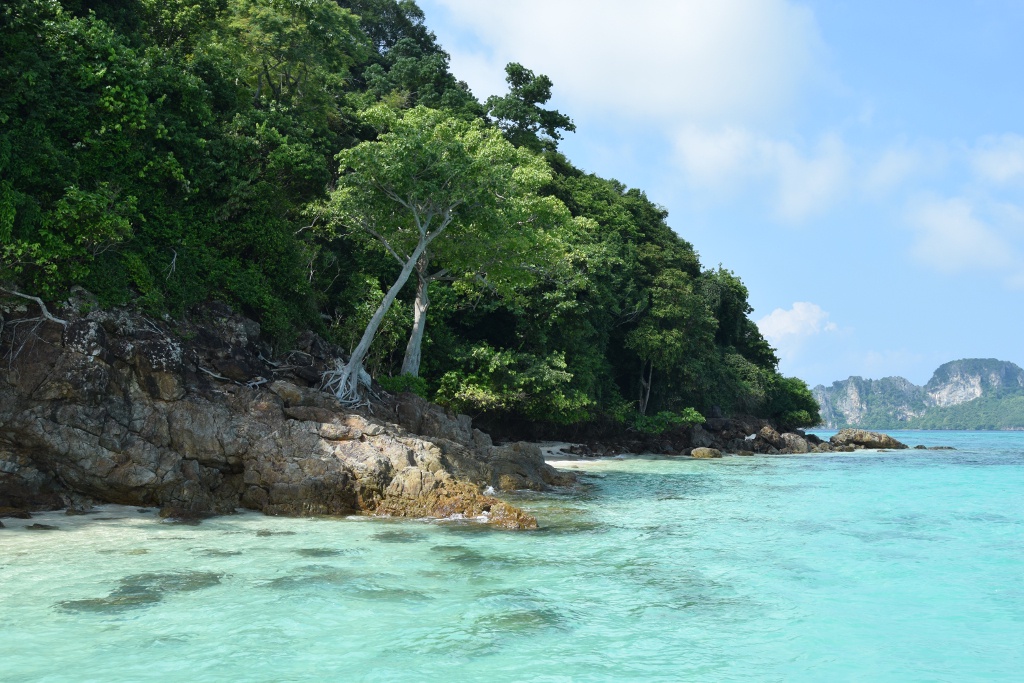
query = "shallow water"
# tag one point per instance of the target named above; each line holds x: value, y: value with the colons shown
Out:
x: 904, y: 566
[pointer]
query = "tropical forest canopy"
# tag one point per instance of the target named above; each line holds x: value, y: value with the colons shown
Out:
x: 303, y: 160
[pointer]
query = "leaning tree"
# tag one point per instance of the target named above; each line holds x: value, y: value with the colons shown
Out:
x: 429, y: 178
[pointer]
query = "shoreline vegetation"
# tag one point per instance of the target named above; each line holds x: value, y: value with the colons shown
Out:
x: 274, y: 255
x: 193, y: 419
x: 318, y: 168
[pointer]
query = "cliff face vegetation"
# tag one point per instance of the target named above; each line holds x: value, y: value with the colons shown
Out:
x: 315, y: 165
x: 974, y: 393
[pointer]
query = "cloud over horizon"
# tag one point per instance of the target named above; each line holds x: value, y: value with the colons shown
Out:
x: 951, y: 238
x: 803, y: 183
x: 786, y: 328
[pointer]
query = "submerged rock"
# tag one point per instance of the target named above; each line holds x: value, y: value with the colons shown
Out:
x: 144, y: 590
x: 864, y: 439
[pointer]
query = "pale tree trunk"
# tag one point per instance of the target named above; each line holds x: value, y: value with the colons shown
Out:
x: 414, y: 349
x: 645, y: 386
x: 345, y: 380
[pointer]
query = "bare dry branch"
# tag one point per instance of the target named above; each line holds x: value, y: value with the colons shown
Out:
x: 42, y: 307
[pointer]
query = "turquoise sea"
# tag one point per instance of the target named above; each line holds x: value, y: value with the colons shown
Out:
x: 901, y: 566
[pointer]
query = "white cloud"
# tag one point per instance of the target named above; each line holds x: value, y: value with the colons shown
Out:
x: 785, y: 327
x: 684, y: 60
x: 716, y: 158
x: 804, y: 184
x: 999, y: 159
x: 809, y: 184
x: 951, y: 238
x: 1015, y: 280
x: 893, y: 168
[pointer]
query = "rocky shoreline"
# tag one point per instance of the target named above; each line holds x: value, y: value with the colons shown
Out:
x: 739, y: 436
x: 199, y: 417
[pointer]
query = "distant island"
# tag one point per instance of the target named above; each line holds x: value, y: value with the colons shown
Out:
x: 973, y: 393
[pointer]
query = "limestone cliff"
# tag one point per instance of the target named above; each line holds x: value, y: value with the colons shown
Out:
x: 963, y: 394
x: 199, y: 417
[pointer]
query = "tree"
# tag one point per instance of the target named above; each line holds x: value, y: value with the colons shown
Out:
x: 428, y: 175
x: 519, y: 113
x: 677, y: 329
x: 501, y: 256
x: 295, y: 50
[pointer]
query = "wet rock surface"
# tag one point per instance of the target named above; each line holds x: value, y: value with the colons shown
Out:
x: 200, y: 418
x: 861, y: 438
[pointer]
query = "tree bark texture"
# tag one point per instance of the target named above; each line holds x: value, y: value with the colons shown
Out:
x: 414, y: 349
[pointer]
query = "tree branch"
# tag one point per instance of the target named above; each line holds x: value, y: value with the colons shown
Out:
x: 387, y: 245
x: 437, y: 276
x: 46, y: 313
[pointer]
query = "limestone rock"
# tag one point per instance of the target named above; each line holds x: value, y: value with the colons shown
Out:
x: 794, y: 443
x: 865, y: 439
x: 705, y: 453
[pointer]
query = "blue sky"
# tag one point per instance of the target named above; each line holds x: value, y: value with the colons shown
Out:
x: 860, y: 165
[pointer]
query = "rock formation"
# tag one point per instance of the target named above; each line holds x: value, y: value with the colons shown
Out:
x: 894, y: 402
x: 860, y: 438
x: 119, y: 408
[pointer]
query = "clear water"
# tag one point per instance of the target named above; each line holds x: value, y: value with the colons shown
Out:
x: 901, y: 566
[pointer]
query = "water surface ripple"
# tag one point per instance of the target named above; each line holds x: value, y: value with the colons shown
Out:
x: 900, y: 566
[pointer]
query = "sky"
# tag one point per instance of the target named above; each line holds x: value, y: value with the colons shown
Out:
x: 859, y: 164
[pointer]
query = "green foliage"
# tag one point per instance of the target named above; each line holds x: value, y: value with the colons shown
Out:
x: 665, y: 421
x: 791, y: 403
x: 401, y: 383
x: 428, y: 168
x: 984, y: 412
x: 519, y: 114
x: 492, y: 380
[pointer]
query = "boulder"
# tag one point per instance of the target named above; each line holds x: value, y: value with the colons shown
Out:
x: 794, y: 443
x: 700, y: 438
x: 705, y: 453
x: 771, y: 438
x: 865, y: 439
